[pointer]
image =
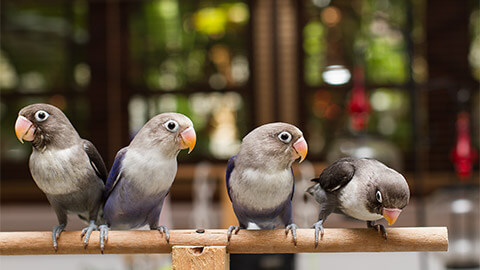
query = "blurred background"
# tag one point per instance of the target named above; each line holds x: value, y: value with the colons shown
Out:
x: 392, y: 80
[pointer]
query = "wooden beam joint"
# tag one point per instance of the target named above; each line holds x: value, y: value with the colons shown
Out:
x: 200, y: 257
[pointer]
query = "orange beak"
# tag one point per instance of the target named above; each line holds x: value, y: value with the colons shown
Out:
x: 24, y: 129
x: 391, y: 214
x: 301, y: 149
x: 188, y: 139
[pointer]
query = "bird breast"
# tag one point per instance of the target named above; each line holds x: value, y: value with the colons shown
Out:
x: 149, y: 170
x: 61, y: 171
x: 261, y: 190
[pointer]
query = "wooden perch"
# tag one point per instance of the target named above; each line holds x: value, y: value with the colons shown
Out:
x: 266, y: 241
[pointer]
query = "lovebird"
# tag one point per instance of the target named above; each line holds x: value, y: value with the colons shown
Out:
x: 67, y: 168
x: 260, y: 181
x: 143, y: 173
x: 364, y: 189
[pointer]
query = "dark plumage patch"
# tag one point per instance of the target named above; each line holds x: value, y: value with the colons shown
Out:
x: 393, y: 193
x: 336, y: 175
x: 95, y: 160
x: 371, y: 202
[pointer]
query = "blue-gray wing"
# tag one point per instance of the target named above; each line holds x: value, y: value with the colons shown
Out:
x: 230, y: 167
x: 115, y: 173
x: 293, y: 184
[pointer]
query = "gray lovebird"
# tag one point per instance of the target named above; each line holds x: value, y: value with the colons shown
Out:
x: 260, y: 181
x: 67, y: 168
x: 143, y: 173
x: 364, y: 189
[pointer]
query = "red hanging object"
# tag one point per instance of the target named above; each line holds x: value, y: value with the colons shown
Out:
x: 463, y: 154
x: 359, y: 105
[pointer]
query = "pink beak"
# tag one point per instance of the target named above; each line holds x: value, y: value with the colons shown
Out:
x: 188, y: 139
x: 24, y: 129
x: 391, y: 214
x: 301, y: 149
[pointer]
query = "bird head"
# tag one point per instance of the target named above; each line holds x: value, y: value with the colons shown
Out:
x: 171, y: 132
x: 280, y: 143
x: 388, y: 194
x: 43, y: 124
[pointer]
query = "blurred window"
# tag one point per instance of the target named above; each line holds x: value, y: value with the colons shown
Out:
x: 42, y: 59
x: 192, y: 57
x: 474, y: 55
x: 340, y: 36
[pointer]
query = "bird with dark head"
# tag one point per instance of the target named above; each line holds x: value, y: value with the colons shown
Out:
x: 67, y: 168
x: 143, y: 173
x: 364, y: 189
x: 260, y: 180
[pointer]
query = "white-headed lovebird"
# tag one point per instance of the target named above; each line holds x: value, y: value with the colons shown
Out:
x: 67, y: 168
x: 143, y: 173
x: 364, y: 189
x: 260, y: 180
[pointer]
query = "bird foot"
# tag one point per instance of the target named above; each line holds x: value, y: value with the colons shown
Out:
x: 292, y: 227
x: 230, y: 230
x: 378, y: 227
x: 103, y: 236
x: 318, y: 229
x: 163, y: 230
x: 87, y: 231
x: 57, y: 230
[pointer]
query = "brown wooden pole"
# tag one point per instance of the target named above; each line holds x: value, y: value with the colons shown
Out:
x: 265, y: 241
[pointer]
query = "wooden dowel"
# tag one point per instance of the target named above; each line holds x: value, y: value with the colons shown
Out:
x: 265, y: 241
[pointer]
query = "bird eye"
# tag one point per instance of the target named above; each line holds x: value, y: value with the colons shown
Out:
x: 378, y: 196
x: 171, y: 125
x: 285, y: 137
x: 41, y: 116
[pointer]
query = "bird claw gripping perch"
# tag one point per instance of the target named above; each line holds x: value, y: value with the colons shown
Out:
x: 103, y: 236
x: 378, y: 227
x: 318, y: 229
x: 163, y: 230
x: 87, y: 231
x: 232, y: 229
x: 292, y: 227
x: 57, y: 230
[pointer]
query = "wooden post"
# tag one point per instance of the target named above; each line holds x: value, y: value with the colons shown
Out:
x: 199, y: 257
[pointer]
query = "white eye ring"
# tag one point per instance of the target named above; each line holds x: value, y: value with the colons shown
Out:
x: 41, y: 115
x: 171, y: 125
x: 378, y: 196
x: 285, y: 137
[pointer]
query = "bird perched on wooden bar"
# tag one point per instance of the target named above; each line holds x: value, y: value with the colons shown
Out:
x: 364, y: 189
x: 143, y: 173
x: 260, y: 179
x: 67, y: 168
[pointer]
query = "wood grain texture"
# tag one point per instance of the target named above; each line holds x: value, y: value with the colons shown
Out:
x: 265, y: 241
x: 199, y: 257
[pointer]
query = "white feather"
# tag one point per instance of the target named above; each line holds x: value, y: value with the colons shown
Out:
x: 253, y: 226
x: 151, y: 171
x: 260, y: 190
x: 335, y: 188
x: 57, y: 171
